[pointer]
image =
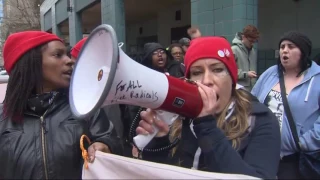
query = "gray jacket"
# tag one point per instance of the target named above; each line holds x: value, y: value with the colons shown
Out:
x: 246, y: 61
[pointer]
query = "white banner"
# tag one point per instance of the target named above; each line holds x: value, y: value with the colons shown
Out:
x: 109, y: 166
x: 3, y: 89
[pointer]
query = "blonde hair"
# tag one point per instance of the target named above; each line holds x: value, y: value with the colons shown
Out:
x: 234, y: 128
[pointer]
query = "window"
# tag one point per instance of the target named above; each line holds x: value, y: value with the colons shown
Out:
x: 178, y: 15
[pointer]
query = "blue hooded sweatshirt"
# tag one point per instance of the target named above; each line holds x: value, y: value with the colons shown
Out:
x: 304, y: 102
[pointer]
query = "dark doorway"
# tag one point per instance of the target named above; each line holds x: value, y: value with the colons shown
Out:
x: 178, y: 33
x: 137, y: 53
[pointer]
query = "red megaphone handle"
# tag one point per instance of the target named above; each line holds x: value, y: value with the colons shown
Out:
x: 183, y: 98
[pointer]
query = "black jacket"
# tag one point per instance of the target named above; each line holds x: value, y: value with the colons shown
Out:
x: 174, y: 69
x: 258, y: 155
x: 48, y: 147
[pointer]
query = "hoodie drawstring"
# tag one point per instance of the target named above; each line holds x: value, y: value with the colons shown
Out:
x: 196, y: 157
x: 308, y: 91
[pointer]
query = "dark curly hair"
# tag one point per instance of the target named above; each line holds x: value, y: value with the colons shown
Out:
x: 26, y: 78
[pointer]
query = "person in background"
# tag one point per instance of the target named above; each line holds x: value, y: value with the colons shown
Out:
x: 176, y: 52
x: 175, y: 60
x: 40, y: 138
x: 301, y: 77
x: 245, y: 55
x: 75, y: 51
x: 234, y: 132
x: 185, y: 43
x: 155, y: 57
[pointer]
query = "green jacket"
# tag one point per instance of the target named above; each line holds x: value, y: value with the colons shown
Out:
x: 246, y: 61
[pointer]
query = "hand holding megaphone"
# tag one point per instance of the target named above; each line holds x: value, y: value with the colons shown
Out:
x: 153, y: 124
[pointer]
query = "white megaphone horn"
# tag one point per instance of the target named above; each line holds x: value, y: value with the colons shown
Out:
x: 105, y: 75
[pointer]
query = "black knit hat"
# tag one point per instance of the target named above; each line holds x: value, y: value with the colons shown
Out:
x: 300, y: 40
x: 151, y: 47
x: 148, y: 49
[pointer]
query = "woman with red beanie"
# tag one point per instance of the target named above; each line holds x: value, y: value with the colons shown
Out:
x: 75, y: 51
x: 40, y: 139
x: 234, y: 133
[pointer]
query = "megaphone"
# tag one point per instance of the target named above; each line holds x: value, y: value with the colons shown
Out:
x: 105, y: 75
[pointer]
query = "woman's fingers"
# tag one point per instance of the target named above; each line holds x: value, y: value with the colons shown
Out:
x: 149, y: 120
x: 162, y: 126
x: 209, y: 99
x: 203, y: 96
x: 147, y: 115
x: 146, y: 126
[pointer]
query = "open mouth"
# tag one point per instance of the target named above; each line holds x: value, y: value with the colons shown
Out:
x: 285, y: 58
x: 160, y: 61
x: 68, y: 73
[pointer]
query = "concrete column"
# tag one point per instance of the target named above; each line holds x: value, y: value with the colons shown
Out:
x: 55, y: 28
x: 42, y: 21
x: 113, y: 13
x: 75, y: 25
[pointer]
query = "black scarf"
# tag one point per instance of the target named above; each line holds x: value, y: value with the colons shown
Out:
x: 40, y: 103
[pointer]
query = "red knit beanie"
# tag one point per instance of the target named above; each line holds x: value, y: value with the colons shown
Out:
x: 77, y: 48
x: 19, y: 43
x: 211, y: 47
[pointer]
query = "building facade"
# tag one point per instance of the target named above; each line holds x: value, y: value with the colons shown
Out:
x: 18, y: 15
x: 1, y: 10
x: 1, y: 40
x: 140, y: 21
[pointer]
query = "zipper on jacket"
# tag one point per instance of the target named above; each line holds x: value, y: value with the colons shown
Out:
x: 43, y: 136
x: 43, y: 143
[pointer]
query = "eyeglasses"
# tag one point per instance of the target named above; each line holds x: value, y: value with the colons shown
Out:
x: 177, y: 53
x: 158, y: 52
